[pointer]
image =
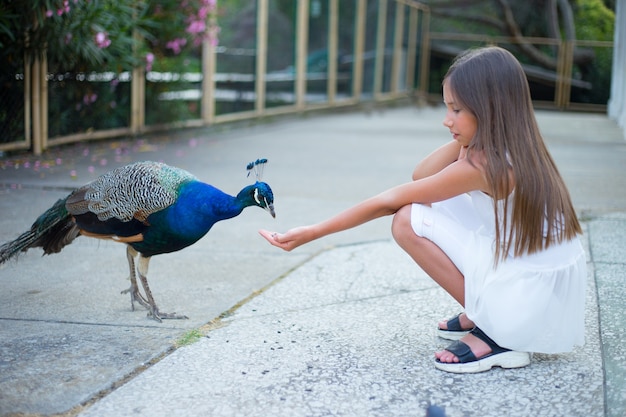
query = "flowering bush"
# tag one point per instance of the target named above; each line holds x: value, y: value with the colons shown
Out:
x: 187, y: 24
x: 115, y: 33
x: 90, y: 45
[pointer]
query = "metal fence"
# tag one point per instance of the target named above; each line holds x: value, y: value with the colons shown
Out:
x: 326, y: 54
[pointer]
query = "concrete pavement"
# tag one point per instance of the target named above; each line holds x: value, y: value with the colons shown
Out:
x: 343, y: 326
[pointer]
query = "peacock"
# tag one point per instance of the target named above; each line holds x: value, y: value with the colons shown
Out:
x: 152, y: 207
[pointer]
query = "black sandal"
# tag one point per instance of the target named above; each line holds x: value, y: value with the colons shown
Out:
x: 468, y: 363
x: 454, y: 330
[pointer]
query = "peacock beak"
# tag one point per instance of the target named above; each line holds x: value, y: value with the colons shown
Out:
x: 270, y: 209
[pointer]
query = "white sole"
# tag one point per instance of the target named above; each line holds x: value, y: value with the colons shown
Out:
x: 507, y: 360
x: 451, y: 335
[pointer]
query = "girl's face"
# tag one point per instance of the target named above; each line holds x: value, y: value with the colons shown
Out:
x: 460, y: 121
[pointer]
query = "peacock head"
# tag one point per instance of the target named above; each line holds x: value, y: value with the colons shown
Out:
x: 258, y: 194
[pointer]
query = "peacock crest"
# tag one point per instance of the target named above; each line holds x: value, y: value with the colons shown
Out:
x: 257, y: 167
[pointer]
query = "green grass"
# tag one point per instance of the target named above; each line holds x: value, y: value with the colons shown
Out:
x: 192, y: 336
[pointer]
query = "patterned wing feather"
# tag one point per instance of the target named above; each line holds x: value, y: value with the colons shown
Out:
x: 132, y: 191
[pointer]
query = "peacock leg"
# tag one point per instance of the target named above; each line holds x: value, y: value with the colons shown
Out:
x: 142, y: 269
x: 135, y: 295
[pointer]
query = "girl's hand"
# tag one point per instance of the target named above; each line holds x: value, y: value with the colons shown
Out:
x: 289, y: 240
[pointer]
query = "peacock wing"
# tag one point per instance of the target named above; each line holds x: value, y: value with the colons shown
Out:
x: 131, y: 192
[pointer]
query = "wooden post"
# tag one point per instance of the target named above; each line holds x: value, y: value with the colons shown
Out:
x: 617, y: 102
x: 302, y: 43
x: 379, y: 65
x: 137, y: 96
x: 559, y: 88
x: 411, y: 48
x: 396, y: 65
x: 209, y: 63
x: 44, y: 101
x: 28, y: 101
x: 137, y: 100
x: 36, y: 103
x: 261, y: 55
x: 567, y: 73
x: 359, y: 47
x: 425, y: 57
x: 333, y: 40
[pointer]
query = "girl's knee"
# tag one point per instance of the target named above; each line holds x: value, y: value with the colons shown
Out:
x: 401, y: 228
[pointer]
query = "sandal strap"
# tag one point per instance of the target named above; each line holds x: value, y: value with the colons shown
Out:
x: 454, y: 324
x: 495, y: 348
x: 461, y: 351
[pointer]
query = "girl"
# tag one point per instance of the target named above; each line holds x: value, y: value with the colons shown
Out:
x: 489, y: 218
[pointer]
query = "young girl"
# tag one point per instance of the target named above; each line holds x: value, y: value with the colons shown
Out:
x: 489, y: 218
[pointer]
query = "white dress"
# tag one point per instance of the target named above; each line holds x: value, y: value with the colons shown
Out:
x: 532, y: 303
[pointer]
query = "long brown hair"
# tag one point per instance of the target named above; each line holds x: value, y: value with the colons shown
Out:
x: 490, y: 83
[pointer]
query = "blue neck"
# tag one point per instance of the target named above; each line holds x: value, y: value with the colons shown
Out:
x: 198, y: 207
x: 201, y: 205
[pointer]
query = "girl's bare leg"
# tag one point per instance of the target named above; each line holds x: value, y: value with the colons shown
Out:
x: 441, y: 269
x: 428, y: 256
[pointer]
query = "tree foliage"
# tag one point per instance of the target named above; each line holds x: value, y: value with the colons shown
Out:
x: 555, y: 19
x: 114, y: 33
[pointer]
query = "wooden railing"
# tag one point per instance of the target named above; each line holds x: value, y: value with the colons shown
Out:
x: 394, y: 66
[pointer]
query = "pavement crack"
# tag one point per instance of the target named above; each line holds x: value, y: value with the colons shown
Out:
x: 80, y: 323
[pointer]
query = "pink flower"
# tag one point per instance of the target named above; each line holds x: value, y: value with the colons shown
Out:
x: 90, y: 98
x: 149, y: 61
x: 49, y: 13
x: 196, y: 26
x: 64, y: 9
x: 176, y: 45
x: 102, y: 40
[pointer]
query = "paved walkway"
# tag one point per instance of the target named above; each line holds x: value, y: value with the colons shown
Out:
x: 341, y: 327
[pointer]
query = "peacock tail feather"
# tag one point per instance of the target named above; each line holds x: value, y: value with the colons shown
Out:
x: 53, y: 230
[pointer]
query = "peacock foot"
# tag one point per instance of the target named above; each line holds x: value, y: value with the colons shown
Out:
x: 135, y: 295
x: 158, y: 316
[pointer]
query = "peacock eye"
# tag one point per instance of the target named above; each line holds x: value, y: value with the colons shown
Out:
x: 256, y: 196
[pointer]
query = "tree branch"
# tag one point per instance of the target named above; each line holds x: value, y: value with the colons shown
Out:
x: 552, y: 19
x: 526, y: 47
x: 568, y: 19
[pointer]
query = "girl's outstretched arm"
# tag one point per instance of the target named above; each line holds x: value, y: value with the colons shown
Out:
x: 455, y: 179
x: 369, y: 209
